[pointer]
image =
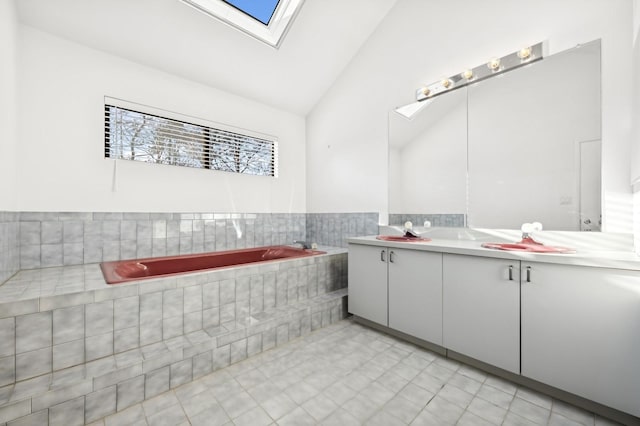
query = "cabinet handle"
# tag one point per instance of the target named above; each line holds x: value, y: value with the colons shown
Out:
x: 528, y: 274
x: 391, y: 253
x: 510, y: 272
x: 382, y: 256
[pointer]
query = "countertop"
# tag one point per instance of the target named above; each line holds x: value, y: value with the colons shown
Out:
x: 617, y: 259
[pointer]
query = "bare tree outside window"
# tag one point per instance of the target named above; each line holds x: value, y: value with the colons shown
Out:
x: 137, y: 136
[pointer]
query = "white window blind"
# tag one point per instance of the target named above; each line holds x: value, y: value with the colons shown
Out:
x: 140, y: 136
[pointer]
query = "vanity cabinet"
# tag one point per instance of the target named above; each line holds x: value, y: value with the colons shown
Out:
x: 481, y: 309
x: 398, y: 288
x: 581, y: 331
x: 415, y: 293
x: 368, y: 282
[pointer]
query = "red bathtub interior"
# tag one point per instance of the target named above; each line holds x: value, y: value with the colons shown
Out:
x: 138, y: 269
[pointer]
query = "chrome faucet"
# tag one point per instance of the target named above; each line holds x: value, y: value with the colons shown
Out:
x: 305, y: 245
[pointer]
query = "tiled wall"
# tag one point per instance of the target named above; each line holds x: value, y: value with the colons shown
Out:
x: 9, y: 250
x: 445, y: 220
x: 333, y: 229
x: 30, y: 240
x: 57, y: 239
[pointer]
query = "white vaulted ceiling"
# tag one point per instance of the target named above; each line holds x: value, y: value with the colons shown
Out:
x: 173, y: 37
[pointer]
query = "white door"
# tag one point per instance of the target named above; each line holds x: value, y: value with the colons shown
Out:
x: 590, y: 193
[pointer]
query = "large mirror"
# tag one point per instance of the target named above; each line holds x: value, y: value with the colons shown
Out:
x: 520, y: 147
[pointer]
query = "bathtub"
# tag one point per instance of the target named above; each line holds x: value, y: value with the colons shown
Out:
x: 122, y: 271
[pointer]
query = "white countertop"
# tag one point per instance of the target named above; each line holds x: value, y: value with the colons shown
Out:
x: 617, y: 259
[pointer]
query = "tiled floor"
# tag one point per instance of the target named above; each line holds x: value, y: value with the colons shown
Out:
x: 347, y: 374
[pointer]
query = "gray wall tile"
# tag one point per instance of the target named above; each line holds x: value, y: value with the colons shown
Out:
x: 38, y: 418
x: 68, y: 354
x: 156, y: 382
x: 100, y: 404
x: 98, y: 346
x: 181, y: 372
x: 69, y: 413
x: 7, y: 370
x: 34, y: 363
x: 130, y: 392
x: 68, y: 324
x: 126, y: 312
x: 7, y: 336
x: 98, y: 318
x: 33, y: 331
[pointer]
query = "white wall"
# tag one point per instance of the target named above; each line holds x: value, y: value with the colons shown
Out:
x: 420, y: 42
x: 427, y: 168
x: 61, y: 163
x: 8, y: 129
x: 635, y: 129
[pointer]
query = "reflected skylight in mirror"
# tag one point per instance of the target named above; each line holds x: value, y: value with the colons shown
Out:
x: 262, y: 10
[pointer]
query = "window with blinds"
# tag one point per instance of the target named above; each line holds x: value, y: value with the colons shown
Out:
x: 139, y: 136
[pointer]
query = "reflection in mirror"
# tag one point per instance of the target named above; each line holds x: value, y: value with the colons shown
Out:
x: 534, y: 144
x: 533, y: 137
x: 428, y: 163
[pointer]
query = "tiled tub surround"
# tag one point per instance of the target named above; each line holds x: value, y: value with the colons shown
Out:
x: 443, y: 220
x: 333, y: 229
x: 9, y: 249
x: 73, y: 349
x: 57, y: 239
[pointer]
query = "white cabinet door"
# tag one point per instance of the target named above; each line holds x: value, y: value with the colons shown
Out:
x: 481, y: 309
x: 581, y: 332
x: 415, y: 293
x: 368, y: 282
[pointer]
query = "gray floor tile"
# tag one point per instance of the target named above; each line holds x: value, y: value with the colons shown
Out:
x: 340, y: 417
x: 212, y: 416
x: 534, y: 397
x: 470, y: 419
x: 574, y: 413
x: 361, y: 408
x: 382, y: 418
x: 320, y: 407
x: 487, y: 410
x: 427, y: 418
x: 278, y: 405
x: 445, y: 410
x: 402, y: 409
x: 347, y: 374
x: 297, y: 417
x: 495, y: 396
x: 254, y: 417
x: 529, y: 411
x: 238, y: 404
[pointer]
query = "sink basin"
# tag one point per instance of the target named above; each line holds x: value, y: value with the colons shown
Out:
x: 402, y: 238
x: 528, y: 247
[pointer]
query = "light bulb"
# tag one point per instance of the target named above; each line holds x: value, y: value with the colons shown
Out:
x: 524, y: 53
x: 447, y: 83
x: 494, y: 64
x: 467, y: 74
x: 426, y: 91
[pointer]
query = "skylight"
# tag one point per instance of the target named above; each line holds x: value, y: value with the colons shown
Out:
x: 265, y: 20
x: 261, y: 10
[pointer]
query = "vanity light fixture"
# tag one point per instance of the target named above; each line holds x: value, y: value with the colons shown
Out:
x: 494, y: 66
x: 524, y: 53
